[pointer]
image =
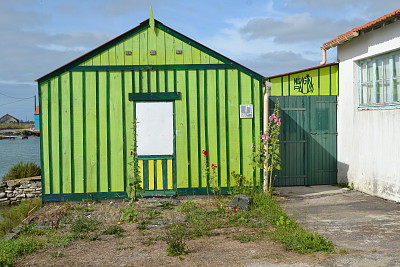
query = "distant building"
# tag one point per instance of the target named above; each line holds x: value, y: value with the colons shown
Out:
x: 37, y: 118
x: 8, y: 118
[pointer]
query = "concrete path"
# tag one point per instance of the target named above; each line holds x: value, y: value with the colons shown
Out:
x: 367, y: 227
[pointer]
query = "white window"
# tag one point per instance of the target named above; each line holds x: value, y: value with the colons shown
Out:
x: 379, y: 81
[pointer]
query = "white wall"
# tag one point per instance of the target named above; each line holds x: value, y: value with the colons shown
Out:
x: 368, y: 140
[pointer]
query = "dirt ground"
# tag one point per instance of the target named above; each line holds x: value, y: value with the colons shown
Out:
x: 146, y: 248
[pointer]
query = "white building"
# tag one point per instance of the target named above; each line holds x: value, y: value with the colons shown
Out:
x: 369, y: 107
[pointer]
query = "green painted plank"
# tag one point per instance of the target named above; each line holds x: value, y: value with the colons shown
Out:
x: 227, y: 138
x: 91, y: 131
x: 71, y: 107
x: 146, y: 174
x: 116, y: 136
x: 112, y: 56
x: 212, y: 133
x: 165, y: 174
x: 128, y: 46
x: 181, y: 134
x: 103, y: 147
x: 98, y: 132
x: 222, y: 129
x: 84, y: 136
x: 55, y: 148
x: 188, y: 124
x: 124, y: 125
x: 108, y: 125
x: 247, y: 134
x: 161, y: 49
x: 120, y: 54
x: 198, y: 119
x: 169, y: 49
x: 152, y: 45
x: 144, y: 49
x: 193, y: 131
x: 60, y: 131
x: 44, y: 140
x: 178, y: 58
x: 66, y: 133
x: 78, y: 132
x: 233, y: 109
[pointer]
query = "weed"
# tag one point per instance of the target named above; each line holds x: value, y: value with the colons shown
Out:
x: 83, y: 226
x: 175, y: 240
x: 167, y: 205
x: 187, y: 206
x: 22, y: 170
x: 343, y: 251
x: 150, y: 241
x: 57, y: 254
x: 13, y: 216
x: 115, y: 230
x: 244, y: 238
x: 142, y: 225
x: 129, y: 214
x: 12, y: 249
x: 152, y: 214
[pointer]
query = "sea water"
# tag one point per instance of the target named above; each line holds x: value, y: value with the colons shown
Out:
x: 14, y: 151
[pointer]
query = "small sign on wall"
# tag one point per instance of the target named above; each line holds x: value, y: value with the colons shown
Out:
x: 246, y: 111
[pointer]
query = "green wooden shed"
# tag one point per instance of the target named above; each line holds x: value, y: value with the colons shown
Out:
x: 185, y: 97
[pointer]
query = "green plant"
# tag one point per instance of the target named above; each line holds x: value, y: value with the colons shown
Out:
x: 175, y: 240
x: 129, y: 214
x: 22, y: 170
x: 266, y: 154
x: 82, y: 226
x: 242, y: 185
x: 57, y: 254
x: 12, y: 249
x: 142, y: 225
x: 210, y: 174
x: 134, y: 179
x: 115, y: 230
x: 167, y: 205
x: 13, y: 216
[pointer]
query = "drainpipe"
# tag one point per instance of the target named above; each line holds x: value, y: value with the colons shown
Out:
x: 265, y: 126
x: 323, y: 56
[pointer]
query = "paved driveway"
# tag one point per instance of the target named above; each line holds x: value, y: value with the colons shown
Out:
x: 367, y: 227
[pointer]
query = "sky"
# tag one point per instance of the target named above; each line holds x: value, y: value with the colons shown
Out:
x: 269, y: 37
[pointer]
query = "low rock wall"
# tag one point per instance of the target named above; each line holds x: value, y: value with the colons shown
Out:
x: 14, y: 191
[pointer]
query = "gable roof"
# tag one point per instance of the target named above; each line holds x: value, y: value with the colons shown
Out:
x: 303, y: 70
x: 375, y: 24
x: 144, y: 25
x: 8, y: 116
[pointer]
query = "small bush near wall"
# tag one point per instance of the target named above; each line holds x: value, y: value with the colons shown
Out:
x: 22, y: 170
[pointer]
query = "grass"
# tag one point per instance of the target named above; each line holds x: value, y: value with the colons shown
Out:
x: 12, y: 126
x: 266, y: 219
x: 13, y: 216
x: 22, y: 170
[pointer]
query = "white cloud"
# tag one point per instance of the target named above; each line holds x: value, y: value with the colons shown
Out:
x: 296, y: 28
x: 63, y: 48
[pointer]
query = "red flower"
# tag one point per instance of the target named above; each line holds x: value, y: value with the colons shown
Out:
x: 205, y: 152
x: 234, y: 208
x: 131, y: 153
x: 213, y: 166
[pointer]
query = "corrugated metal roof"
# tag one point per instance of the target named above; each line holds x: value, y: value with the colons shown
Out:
x: 352, y: 33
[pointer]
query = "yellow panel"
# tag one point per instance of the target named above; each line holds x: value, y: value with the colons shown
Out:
x: 159, y: 175
x: 170, y: 174
x: 151, y: 174
x: 140, y: 163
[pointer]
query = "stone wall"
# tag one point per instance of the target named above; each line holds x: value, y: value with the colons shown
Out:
x: 13, y: 191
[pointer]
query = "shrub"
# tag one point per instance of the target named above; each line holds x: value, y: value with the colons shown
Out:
x: 12, y: 249
x: 14, y: 215
x: 22, y: 170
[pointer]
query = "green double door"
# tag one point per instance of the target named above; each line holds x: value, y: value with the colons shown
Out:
x: 308, y: 140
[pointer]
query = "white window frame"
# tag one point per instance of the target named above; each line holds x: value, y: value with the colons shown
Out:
x: 389, y: 82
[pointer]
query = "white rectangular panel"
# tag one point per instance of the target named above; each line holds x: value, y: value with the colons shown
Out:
x: 155, y: 128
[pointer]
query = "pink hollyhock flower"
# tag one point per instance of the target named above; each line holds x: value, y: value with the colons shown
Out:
x: 265, y: 137
x: 272, y: 117
x: 279, y: 123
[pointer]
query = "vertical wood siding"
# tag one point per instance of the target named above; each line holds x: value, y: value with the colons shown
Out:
x: 87, y: 119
